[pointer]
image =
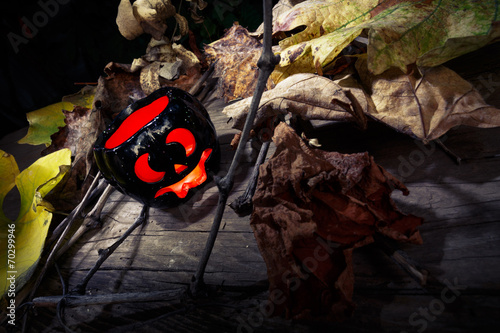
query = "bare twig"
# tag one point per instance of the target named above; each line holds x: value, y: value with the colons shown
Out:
x: 83, y: 300
x: 92, y: 220
x: 95, y: 189
x: 68, y: 225
x: 105, y: 253
x: 450, y: 153
x: 266, y: 64
x: 401, y: 258
x: 243, y: 204
x: 196, y: 87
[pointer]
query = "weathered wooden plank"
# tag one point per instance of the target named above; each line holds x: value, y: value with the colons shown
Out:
x: 461, y: 232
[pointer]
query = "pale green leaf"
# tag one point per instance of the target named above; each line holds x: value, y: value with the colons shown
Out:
x: 33, y: 221
x: 44, y: 122
x: 84, y: 98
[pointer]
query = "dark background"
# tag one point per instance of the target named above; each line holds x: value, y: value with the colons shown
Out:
x: 75, y: 43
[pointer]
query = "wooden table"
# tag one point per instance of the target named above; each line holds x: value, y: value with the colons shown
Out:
x: 461, y: 233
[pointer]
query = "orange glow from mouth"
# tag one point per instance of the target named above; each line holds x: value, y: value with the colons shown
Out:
x: 193, y: 179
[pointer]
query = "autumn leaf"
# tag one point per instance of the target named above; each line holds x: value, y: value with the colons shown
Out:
x: 127, y: 24
x: 117, y: 89
x: 426, y: 102
x: 82, y: 127
x: 309, y: 96
x: 33, y: 221
x: 44, y: 122
x: 311, y: 209
x: 426, y: 33
x: 83, y: 98
x: 281, y: 7
x: 236, y: 54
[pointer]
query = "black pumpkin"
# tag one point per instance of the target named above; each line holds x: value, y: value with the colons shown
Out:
x: 159, y: 149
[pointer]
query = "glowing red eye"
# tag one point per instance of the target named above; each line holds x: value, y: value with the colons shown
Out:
x: 184, y: 137
x: 144, y: 171
x: 137, y: 120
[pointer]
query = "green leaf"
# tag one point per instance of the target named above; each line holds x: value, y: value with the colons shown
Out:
x: 429, y: 35
x: 33, y: 221
x: 44, y: 122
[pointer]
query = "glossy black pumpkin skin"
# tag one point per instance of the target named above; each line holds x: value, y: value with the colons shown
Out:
x: 175, y: 111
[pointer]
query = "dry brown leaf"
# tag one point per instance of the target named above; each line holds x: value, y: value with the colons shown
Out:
x: 152, y: 14
x: 311, y: 208
x: 122, y: 86
x: 426, y: 102
x: 128, y: 26
x: 169, y: 61
x: 311, y: 97
x: 150, y: 77
x: 82, y: 129
x: 281, y: 7
x: 236, y: 54
x: 117, y: 90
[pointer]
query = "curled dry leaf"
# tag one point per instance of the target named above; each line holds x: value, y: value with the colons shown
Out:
x: 194, y: 6
x: 281, y: 7
x: 123, y: 85
x: 127, y: 24
x: 426, y: 102
x: 117, y: 90
x: 311, y: 97
x: 311, y: 208
x: 236, y: 54
x: 152, y: 14
x: 312, y: 19
x: 168, y: 61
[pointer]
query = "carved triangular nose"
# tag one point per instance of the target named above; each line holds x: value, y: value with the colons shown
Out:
x: 165, y: 157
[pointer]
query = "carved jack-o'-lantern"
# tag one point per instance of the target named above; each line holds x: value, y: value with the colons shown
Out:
x: 159, y: 149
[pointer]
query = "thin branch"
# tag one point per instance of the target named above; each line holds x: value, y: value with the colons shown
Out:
x: 104, y: 254
x: 95, y: 189
x: 266, y: 64
x: 68, y: 221
x: 196, y: 87
x: 401, y: 258
x: 243, y: 204
x: 91, y: 221
x: 73, y: 300
x: 455, y: 157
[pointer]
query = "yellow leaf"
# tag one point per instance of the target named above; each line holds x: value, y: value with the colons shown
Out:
x: 426, y: 102
x: 8, y: 172
x: 320, y: 18
x: 400, y: 33
x: 84, y: 97
x: 44, y: 122
x: 33, y: 221
x: 307, y: 57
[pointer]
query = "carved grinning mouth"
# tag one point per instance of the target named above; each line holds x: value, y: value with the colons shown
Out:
x: 192, y: 179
